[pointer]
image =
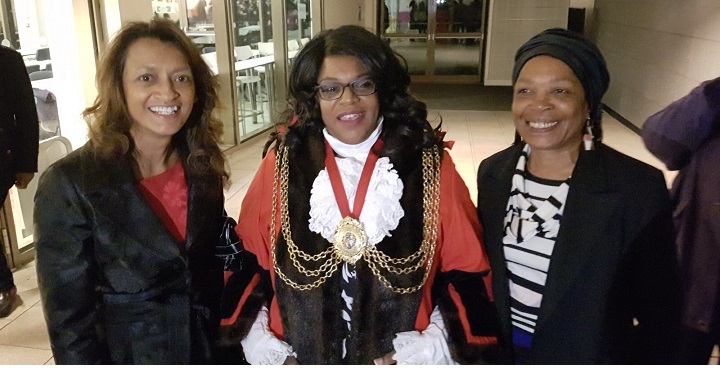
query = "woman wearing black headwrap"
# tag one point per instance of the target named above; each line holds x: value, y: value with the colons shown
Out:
x: 579, y: 235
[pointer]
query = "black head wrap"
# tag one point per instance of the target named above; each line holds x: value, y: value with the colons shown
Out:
x: 583, y: 58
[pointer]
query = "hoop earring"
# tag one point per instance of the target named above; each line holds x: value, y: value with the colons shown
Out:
x: 588, y: 139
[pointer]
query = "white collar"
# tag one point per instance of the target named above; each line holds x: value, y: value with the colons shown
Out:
x: 357, y: 151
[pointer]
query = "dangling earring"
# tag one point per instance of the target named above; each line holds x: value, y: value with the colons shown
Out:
x: 588, y: 137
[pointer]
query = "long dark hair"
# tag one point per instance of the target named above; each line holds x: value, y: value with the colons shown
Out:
x: 109, y: 119
x: 405, y: 124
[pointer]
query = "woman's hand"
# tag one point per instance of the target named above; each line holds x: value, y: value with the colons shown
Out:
x: 291, y: 360
x: 386, y: 359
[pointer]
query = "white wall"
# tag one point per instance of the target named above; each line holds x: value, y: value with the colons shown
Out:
x: 118, y: 12
x: 511, y: 23
x: 657, y: 51
x: 337, y: 13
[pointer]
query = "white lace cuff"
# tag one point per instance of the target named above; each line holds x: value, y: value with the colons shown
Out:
x: 261, y: 346
x: 427, y: 347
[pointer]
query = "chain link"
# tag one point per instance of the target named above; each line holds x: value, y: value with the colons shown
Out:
x: 280, y: 182
x: 431, y: 211
x: 376, y: 259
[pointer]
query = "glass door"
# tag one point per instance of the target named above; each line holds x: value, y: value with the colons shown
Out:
x: 441, y: 40
x: 253, y: 59
x: 8, y: 25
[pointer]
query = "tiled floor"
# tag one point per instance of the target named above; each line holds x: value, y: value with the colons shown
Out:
x: 477, y: 134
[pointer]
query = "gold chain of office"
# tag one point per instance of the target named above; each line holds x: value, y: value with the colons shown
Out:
x: 376, y: 259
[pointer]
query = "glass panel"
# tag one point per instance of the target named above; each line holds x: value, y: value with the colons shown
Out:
x: 458, y: 16
x: 38, y: 37
x: 249, y: 17
x: 166, y: 10
x: 293, y: 30
x: 196, y: 20
x: 253, y: 64
x: 199, y: 15
x: 36, y: 54
x: 8, y: 25
x: 406, y: 16
x: 446, y: 17
x: 454, y: 57
x: 298, y: 23
x: 22, y: 200
x: 414, y: 50
x: 455, y: 47
x: 304, y: 20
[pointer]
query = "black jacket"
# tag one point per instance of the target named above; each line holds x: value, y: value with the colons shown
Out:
x: 613, y: 262
x: 115, y: 286
x: 18, y: 119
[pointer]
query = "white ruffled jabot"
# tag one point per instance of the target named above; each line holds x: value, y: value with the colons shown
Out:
x: 382, y: 210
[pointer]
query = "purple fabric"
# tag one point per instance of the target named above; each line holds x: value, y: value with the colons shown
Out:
x: 686, y: 136
x: 522, y: 343
x: 674, y: 133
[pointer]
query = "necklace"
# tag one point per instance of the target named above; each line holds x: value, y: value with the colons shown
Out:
x: 377, y: 260
x: 350, y: 241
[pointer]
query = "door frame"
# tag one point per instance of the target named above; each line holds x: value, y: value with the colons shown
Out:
x: 431, y: 36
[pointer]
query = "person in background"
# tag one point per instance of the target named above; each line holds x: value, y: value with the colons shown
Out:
x: 421, y: 17
x: 686, y: 136
x: 126, y: 226
x: 199, y: 12
x: 18, y: 150
x: 366, y: 238
x: 384, y: 18
x: 579, y: 236
x: 413, y: 9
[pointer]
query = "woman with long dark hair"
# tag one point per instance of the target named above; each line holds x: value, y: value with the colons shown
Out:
x: 126, y: 226
x: 367, y: 243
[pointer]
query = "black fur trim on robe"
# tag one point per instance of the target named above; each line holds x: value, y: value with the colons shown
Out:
x: 229, y: 348
x: 480, y: 313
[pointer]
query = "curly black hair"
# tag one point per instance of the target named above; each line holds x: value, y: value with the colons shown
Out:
x: 405, y: 124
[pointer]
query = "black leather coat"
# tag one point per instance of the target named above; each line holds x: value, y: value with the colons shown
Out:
x: 18, y: 120
x: 115, y: 286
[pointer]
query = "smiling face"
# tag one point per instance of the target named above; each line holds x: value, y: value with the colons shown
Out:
x: 159, y: 89
x: 549, y: 106
x: 350, y: 118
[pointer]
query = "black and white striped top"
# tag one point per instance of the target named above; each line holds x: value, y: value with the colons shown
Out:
x: 532, y: 221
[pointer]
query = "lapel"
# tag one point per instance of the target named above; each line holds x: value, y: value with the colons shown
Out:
x: 496, y: 193
x: 122, y: 207
x: 582, y: 235
x: 200, y: 211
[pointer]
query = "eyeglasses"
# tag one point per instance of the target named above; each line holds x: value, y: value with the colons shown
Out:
x: 333, y: 91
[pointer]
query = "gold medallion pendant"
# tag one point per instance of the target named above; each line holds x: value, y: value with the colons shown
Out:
x: 350, y: 240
